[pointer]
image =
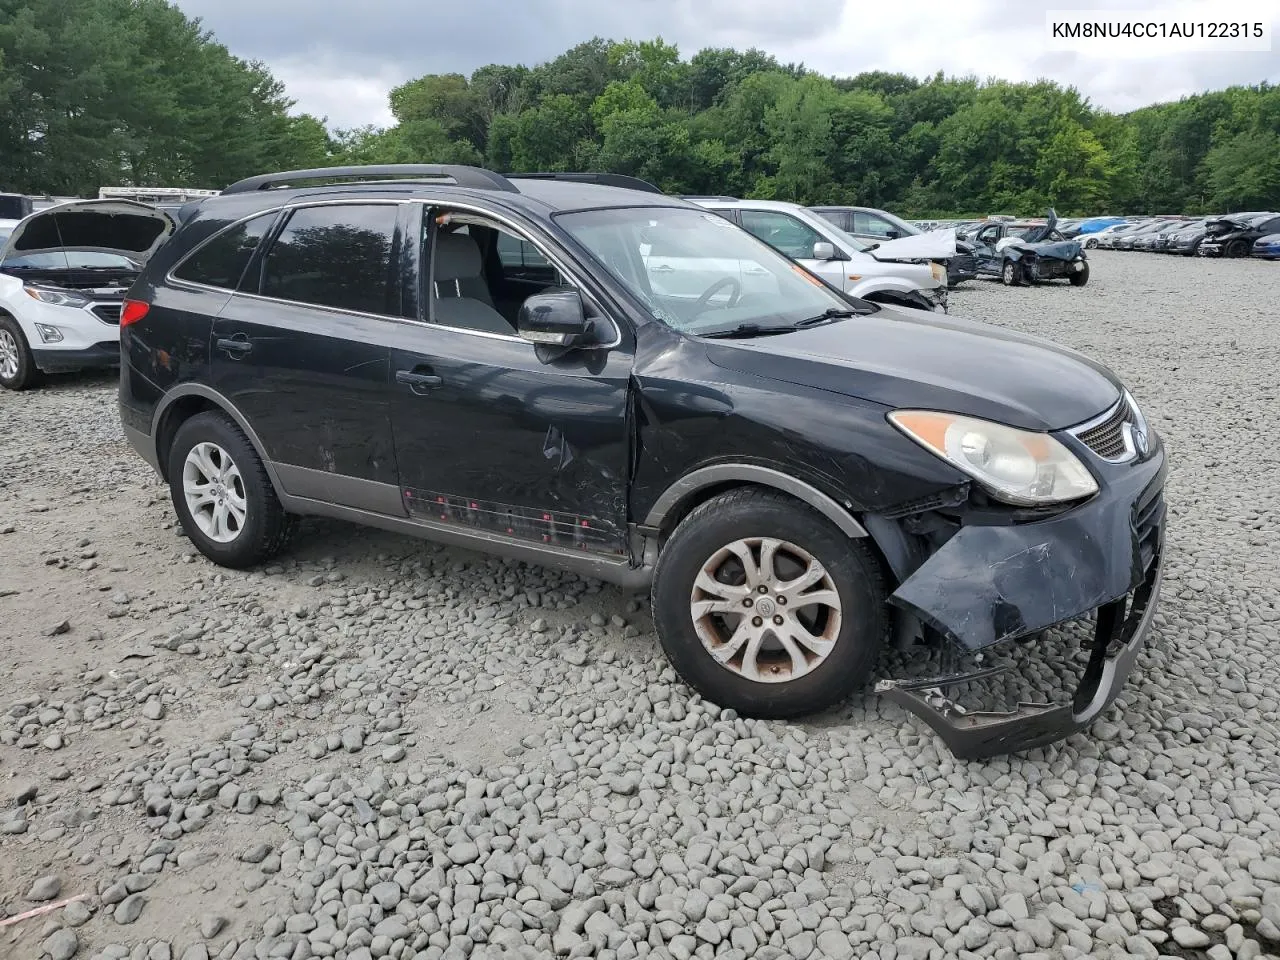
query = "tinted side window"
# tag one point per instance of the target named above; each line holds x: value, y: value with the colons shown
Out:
x: 335, y: 256
x: 516, y: 254
x: 221, y: 261
x: 782, y: 232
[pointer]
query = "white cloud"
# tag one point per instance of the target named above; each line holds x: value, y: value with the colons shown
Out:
x: 340, y: 59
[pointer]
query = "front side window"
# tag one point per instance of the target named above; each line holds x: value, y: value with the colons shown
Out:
x: 336, y: 255
x: 989, y: 234
x: 696, y: 271
x: 481, y: 272
x: 782, y: 232
x: 221, y: 261
x: 868, y: 224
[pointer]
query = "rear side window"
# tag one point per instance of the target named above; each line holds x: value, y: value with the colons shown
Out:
x: 335, y: 256
x: 222, y: 260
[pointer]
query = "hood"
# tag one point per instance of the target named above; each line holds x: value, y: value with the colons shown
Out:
x: 912, y: 358
x: 934, y: 245
x: 1228, y: 225
x: 1039, y: 236
x: 125, y: 227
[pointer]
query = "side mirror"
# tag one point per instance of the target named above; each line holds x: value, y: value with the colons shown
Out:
x: 822, y: 250
x: 555, y: 319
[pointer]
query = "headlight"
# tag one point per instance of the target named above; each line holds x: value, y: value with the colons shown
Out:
x: 61, y: 298
x: 939, y: 272
x: 1016, y: 466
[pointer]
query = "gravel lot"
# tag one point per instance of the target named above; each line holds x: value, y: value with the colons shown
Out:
x: 382, y: 748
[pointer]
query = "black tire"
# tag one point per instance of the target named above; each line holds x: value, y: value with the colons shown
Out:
x: 267, y: 528
x: 853, y: 569
x: 1081, y: 278
x: 1236, y: 248
x: 1090, y: 244
x: 1010, y: 274
x: 26, y: 375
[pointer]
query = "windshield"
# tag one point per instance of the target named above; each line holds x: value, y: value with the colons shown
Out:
x: 71, y: 259
x: 697, y: 272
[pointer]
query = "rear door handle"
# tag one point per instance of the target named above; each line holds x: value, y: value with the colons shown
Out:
x: 418, y: 381
x: 237, y: 346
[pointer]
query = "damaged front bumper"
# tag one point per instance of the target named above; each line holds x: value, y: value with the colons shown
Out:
x: 992, y: 584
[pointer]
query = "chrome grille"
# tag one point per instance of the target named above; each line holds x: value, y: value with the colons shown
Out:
x: 107, y: 312
x: 1109, y: 435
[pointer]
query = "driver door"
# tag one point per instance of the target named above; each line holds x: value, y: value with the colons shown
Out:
x: 984, y: 250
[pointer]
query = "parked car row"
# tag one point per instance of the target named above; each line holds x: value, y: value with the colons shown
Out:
x: 1219, y: 235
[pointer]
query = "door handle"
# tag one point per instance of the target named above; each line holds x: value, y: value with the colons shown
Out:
x: 236, y: 346
x: 663, y: 269
x: 418, y: 381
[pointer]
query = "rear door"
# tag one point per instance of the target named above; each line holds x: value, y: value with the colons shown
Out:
x: 302, y: 350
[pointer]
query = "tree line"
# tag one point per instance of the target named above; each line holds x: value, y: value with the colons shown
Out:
x: 98, y: 92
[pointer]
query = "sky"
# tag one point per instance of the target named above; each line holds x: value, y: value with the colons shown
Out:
x: 338, y: 59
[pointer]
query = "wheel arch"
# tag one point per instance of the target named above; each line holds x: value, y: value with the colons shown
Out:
x: 184, y: 402
x: 702, y: 484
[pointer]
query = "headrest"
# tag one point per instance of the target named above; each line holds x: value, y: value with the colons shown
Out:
x: 457, y: 257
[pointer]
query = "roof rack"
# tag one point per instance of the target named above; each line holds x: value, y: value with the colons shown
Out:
x: 463, y: 176
x: 604, y: 179
x: 698, y: 196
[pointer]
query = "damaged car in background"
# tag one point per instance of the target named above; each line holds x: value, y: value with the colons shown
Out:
x: 795, y: 474
x: 1234, y: 236
x: 64, y: 271
x: 1022, y: 252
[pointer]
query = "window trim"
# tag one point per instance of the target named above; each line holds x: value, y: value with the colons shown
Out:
x: 584, y: 290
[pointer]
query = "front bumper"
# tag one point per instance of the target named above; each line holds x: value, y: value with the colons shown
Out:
x: 99, y: 355
x: 1043, y: 268
x: 991, y: 584
x: 1210, y: 248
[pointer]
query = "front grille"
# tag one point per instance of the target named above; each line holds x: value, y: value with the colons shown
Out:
x: 107, y: 312
x: 1108, y: 437
x: 1148, y: 514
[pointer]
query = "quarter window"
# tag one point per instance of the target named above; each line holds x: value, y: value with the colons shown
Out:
x: 782, y: 232
x: 335, y: 256
x: 221, y: 261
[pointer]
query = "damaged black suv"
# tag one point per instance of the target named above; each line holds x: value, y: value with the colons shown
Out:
x: 499, y: 362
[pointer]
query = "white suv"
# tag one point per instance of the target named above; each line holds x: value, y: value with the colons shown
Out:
x: 64, y: 272
x: 893, y: 272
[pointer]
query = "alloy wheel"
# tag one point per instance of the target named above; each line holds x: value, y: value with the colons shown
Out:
x: 214, y: 492
x: 766, y: 609
x: 8, y: 355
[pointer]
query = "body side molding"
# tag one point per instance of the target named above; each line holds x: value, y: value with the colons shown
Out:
x: 700, y: 479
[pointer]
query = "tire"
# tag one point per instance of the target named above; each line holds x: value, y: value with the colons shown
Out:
x: 764, y: 685
x: 1090, y: 244
x: 246, y: 537
x: 1010, y: 275
x: 1236, y: 248
x: 17, y: 366
x: 1081, y: 278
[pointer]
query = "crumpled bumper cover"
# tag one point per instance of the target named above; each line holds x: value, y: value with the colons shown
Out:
x: 992, y: 584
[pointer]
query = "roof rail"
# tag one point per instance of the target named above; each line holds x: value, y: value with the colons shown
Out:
x: 604, y: 179
x: 463, y: 176
x: 699, y: 196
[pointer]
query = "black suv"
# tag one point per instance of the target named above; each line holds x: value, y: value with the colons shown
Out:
x: 493, y: 361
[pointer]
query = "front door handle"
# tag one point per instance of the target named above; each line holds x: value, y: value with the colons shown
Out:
x: 416, y: 381
x: 236, y: 346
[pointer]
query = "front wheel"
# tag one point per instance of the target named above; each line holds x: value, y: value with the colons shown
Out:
x: 17, y: 367
x: 765, y: 607
x: 1009, y: 274
x: 222, y: 494
x: 1236, y: 248
x: 1081, y: 278
x: 1090, y: 244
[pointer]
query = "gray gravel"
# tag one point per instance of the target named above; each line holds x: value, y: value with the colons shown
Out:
x: 381, y: 748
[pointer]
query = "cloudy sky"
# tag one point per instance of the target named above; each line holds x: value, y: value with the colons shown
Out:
x: 339, y: 58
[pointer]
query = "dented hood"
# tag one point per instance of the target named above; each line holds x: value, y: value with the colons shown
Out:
x: 131, y: 229
x: 913, y: 358
x: 934, y: 245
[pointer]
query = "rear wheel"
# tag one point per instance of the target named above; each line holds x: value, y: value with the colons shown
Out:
x: 222, y: 494
x: 764, y: 607
x: 17, y: 366
x: 1090, y: 243
x: 1081, y: 278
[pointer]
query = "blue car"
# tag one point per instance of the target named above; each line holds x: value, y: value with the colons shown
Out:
x: 1098, y: 223
x: 1268, y: 247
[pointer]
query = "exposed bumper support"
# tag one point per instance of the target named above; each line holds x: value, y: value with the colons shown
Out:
x: 1122, y: 628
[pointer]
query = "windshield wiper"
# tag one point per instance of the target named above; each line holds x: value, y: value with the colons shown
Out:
x: 749, y: 330
x: 831, y: 313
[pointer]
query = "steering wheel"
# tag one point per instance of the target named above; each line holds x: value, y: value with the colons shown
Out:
x: 715, y: 288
